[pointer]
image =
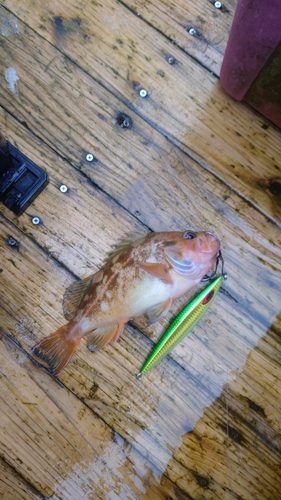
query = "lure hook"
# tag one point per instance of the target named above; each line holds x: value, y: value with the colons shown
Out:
x: 223, y: 273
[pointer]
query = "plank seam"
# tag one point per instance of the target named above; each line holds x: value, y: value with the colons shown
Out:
x: 154, y: 125
x: 24, y: 479
x: 175, y: 44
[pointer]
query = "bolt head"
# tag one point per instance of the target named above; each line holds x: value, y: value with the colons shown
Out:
x: 143, y: 92
x: 63, y: 188
x: 35, y: 220
x: 126, y: 123
x: 11, y: 242
x: 192, y: 31
x: 89, y: 157
x: 218, y: 5
x: 170, y: 60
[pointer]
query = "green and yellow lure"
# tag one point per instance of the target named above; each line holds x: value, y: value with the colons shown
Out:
x: 183, y: 323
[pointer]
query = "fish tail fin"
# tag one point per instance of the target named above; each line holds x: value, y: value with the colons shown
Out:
x: 56, y: 350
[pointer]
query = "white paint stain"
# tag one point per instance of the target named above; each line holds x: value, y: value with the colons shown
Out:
x: 11, y: 78
x: 104, y: 476
x: 136, y: 480
x: 9, y: 26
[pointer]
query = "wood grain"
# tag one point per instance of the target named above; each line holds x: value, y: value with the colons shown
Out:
x: 13, y: 486
x: 175, y: 18
x: 59, y: 445
x: 205, y: 422
x: 226, y: 137
x: 140, y: 412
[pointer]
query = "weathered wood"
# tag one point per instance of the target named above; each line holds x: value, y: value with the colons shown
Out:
x: 13, y: 487
x: 175, y: 18
x: 225, y: 136
x: 79, y: 227
x: 82, y: 251
x: 140, y: 411
x: 102, y: 433
x: 253, y: 430
x: 54, y: 441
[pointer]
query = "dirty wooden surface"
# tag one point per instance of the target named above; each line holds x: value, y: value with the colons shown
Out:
x: 205, y: 423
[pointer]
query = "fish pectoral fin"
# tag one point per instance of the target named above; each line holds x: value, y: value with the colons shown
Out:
x: 157, y: 312
x: 73, y: 296
x: 100, y: 337
x: 158, y: 270
x: 126, y: 242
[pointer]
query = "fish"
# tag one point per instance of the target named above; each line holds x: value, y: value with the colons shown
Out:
x: 144, y: 273
x: 182, y: 325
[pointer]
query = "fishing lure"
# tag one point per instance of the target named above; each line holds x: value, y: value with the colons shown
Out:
x: 184, y: 322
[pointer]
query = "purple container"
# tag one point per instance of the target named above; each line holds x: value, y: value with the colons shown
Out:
x: 251, y: 68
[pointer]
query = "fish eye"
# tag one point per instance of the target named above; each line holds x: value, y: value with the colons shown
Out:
x: 189, y: 235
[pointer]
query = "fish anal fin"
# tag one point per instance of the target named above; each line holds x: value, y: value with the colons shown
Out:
x: 157, y: 312
x: 119, y: 332
x: 124, y: 243
x: 55, y: 350
x: 158, y: 270
x: 100, y: 337
x: 73, y: 296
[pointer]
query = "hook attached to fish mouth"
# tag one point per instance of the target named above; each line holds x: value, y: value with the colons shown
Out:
x: 223, y: 273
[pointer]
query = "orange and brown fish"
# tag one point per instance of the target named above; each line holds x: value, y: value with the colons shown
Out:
x: 143, y: 274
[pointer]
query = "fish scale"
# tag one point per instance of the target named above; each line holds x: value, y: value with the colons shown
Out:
x: 182, y: 324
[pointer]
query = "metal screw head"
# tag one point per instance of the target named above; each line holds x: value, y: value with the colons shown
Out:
x: 126, y: 123
x: 218, y: 5
x: 89, y: 157
x: 143, y: 92
x: 63, y: 188
x: 35, y: 220
x: 170, y: 60
x: 192, y: 31
x: 12, y: 242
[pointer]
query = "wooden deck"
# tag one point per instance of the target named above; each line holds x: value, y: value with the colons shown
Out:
x: 205, y: 423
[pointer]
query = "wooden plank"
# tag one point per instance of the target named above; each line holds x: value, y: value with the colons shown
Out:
x: 77, y: 228
x: 226, y: 137
x: 175, y: 18
x: 59, y: 445
x: 151, y: 417
x: 13, y: 487
x: 254, y: 430
x: 141, y: 412
x: 81, y: 252
x: 169, y: 434
x: 242, y: 232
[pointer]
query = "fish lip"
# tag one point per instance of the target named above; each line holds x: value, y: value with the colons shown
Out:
x: 217, y: 240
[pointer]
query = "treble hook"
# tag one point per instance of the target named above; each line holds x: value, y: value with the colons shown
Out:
x: 224, y: 275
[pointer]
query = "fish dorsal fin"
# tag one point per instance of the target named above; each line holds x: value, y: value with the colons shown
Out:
x: 157, y: 312
x: 73, y: 296
x: 158, y: 270
x: 125, y: 243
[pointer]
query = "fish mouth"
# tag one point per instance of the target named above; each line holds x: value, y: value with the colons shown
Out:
x: 208, y: 242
